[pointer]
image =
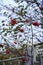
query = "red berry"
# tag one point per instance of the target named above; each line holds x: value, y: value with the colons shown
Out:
x: 25, y: 59
x: 35, y: 23
x: 27, y: 20
x: 13, y: 22
x: 21, y: 30
x: 41, y: 8
x: 15, y: 42
x: 7, y: 51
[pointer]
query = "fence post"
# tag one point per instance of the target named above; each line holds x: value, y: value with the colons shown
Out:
x: 3, y: 63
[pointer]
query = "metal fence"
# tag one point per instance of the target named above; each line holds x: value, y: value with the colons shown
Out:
x: 12, y: 61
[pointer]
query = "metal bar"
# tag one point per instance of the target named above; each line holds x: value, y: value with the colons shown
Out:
x: 32, y: 46
x: 18, y: 62
x: 12, y: 59
x: 10, y: 63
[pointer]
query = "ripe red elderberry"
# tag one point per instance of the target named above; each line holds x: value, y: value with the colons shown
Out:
x: 25, y: 60
x: 15, y: 42
x: 35, y: 23
x: 41, y: 8
x: 7, y: 51
x: 13, y: 22
x: 21, y: 30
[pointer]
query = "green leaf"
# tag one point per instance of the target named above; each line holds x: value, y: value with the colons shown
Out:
x: 5, y: 34
x: 3, y: 24
x: 3, y: 21
x: 4, y: 39
x: 20, y: 6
